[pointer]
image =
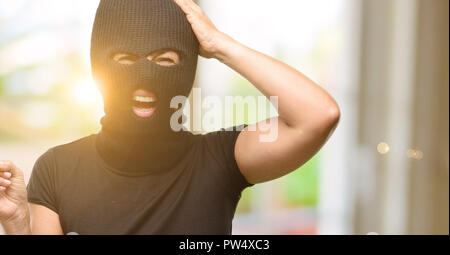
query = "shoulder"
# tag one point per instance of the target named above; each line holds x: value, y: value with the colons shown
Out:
x: 222, y: 140
x: 219, y: 146
x: 66, y: 154
x: 75, y: 147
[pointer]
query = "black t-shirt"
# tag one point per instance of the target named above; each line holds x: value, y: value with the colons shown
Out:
x: 198, y: 196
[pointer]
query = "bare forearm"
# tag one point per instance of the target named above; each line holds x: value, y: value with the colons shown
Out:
x: 296, y: 93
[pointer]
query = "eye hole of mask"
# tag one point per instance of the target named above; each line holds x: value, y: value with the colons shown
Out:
x: 125, y: 58
x: 165, y: 58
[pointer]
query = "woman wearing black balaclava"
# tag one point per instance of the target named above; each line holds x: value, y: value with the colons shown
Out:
x: 138, y: 176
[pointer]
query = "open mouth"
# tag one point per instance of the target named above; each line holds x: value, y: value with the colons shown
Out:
x: 144, y: 103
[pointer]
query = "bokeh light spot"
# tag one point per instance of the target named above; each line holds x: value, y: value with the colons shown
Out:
x: 415, y: 154
x: 383, y: 148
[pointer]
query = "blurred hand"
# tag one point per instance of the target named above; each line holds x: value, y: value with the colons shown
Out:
x: 207, y: 34
x: 13, y: 193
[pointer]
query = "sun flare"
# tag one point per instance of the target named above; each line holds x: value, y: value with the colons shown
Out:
x: 85, y: 93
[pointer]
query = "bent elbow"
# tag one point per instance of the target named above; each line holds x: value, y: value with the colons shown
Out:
x: 330, y: 120
x: 334, y: 116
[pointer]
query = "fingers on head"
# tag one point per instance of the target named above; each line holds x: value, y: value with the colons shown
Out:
x: 189, y: 6
x: 195, y: 8
x: 193, y: 5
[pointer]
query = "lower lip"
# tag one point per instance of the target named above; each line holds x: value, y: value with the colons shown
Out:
x: 143, y: 113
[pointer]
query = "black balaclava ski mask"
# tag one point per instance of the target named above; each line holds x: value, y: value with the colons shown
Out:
x: 127, y: 142
x: 141, y: 27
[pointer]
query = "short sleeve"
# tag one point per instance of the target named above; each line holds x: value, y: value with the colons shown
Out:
x: 41, y: 187
x: 221, y: 144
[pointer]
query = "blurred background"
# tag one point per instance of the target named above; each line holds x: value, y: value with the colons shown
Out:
x: 386, y: 62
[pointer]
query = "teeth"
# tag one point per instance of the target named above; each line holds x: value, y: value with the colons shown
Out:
x: 144, y: 109
x: 144, y: 99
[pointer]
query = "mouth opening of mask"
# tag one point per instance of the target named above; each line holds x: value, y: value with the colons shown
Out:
x: 144, y: 103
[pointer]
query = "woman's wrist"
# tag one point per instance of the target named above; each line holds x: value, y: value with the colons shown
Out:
x: 224, y: 48
x: 18, y: 224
